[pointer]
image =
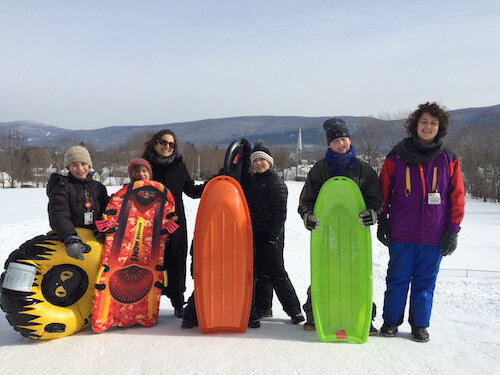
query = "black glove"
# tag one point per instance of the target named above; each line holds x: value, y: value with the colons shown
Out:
x: 448, y: 242
x: 383, y: 234
x: 272, y: 245
x: 75, y: 247
x: 310, y: 222
x: 368, y: 217
x: 247, y: 147
x: 100, y: 236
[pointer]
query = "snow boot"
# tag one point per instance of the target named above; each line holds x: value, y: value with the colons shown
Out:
x: 388, y: 331
x: 297, y: 318
x: 420, y: 334
x: 188, y: 324
x: 254, y: 323
x: 179, y: 311
x: 178, y: 304
x: 373, y: 330
x: 309, y: 324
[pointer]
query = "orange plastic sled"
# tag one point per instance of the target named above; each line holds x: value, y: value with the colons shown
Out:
x: 223, y: 258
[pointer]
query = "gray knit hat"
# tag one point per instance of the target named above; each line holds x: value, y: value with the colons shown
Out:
x: 77, y: 153
x: 261, y: 151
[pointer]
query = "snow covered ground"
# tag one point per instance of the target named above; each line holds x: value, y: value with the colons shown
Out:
x: 464, y: 325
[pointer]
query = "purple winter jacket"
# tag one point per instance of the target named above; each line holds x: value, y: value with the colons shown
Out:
x: 405, y: 187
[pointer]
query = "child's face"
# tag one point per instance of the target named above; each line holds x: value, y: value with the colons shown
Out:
x: 340, y: 145
x: 140, y: 172
x: 79, y: 169
x: 427, y: 128
x: 260, y: 165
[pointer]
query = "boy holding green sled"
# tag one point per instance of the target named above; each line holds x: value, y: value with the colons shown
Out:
x: 340, y: 160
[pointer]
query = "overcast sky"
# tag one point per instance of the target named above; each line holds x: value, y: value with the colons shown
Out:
x: 90, y: 64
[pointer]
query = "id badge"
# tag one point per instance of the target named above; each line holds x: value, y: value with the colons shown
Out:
x: 88, y: 218
x: 434, y: 198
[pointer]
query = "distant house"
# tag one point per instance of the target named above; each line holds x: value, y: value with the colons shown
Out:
x: 4, y: 180
x: 115, y: 181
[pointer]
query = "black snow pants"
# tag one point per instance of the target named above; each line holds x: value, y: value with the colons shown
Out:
x: 270, y: 274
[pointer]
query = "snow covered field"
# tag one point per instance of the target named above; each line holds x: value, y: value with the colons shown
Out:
x: 464, y: 324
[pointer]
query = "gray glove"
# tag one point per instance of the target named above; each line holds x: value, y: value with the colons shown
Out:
x: 368, y: 217
x: 448, y: 242
x: 75, y: 248
x: 310, y: 222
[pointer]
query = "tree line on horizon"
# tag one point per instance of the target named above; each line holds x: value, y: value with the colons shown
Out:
x: 29, y: 165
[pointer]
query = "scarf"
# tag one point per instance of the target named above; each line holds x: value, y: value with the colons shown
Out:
x: 339, y: 162
x: 413, y: 152
x: 163, y: 162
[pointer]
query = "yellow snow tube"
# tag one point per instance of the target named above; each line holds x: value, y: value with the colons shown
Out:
x: 45, y: 293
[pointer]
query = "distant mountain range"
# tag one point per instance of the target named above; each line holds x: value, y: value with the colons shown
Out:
x: 274, y: 130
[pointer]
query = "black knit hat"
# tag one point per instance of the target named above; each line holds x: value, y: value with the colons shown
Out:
x: 335, y: 128
x: 261, y: 151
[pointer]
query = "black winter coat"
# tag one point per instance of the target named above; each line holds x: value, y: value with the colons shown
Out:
x: 66, y: 202
x: 364, y: 176
x: 267, y: 196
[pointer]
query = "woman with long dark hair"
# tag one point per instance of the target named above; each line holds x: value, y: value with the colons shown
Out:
x: 162, y: 152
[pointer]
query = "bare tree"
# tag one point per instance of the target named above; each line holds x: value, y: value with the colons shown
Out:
x: 40, y: 160
x: 368, y: 141
x: 190, y: 156
x: 212, y: 160
x: 281, y: 158
x: 480, y: 162
x: 12, y: 144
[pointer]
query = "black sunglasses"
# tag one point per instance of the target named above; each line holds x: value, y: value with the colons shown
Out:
x: 166, y: 143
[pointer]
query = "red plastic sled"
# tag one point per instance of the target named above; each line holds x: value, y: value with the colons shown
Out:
x: 129, y: 282
x: 223, y: 258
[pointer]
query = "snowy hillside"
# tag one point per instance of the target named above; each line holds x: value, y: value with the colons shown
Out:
x: 464, y: 325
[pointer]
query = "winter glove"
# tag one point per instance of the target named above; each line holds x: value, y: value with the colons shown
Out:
x: 383, y: 234
x: 247, y: 147
x: 271, y: 245
x: 310, y: 222
x: 368, y: 217
x: 100, y: 236
x: 75, y: 248
x: 448, y: 242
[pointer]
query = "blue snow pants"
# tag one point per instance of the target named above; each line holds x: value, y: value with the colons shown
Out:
x: 415, y: 264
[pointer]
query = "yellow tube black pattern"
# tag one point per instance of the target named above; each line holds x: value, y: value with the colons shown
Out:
x: 58, y: 302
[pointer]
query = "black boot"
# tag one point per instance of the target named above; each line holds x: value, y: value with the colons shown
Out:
x: 388, y: 331
x: 178, y: 304
x: 420, y: 334
x: 297, y: 318
x: 188, y: 323
x: 255, y: 323
x: 373, y: 330
x: 309, y: 325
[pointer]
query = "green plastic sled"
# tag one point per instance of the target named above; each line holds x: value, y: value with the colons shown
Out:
x: 341, y: 264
